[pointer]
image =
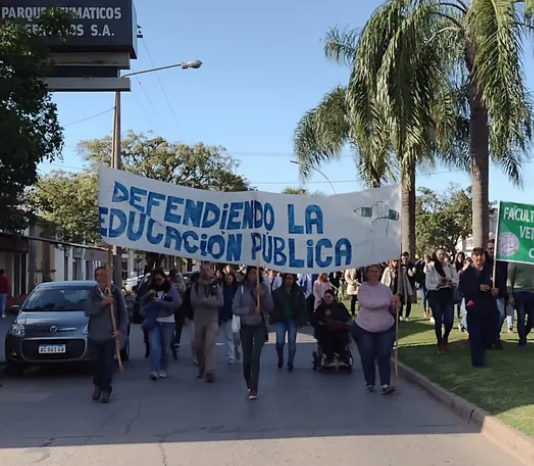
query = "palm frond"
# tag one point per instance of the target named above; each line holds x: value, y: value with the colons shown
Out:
x: 340, y: 46
x: 498, y: 78
x: 321, y: 133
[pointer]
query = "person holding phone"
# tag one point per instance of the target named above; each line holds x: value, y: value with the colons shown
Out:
x: 440, y: 280
x: 482, y: 312
x: 158, y: 307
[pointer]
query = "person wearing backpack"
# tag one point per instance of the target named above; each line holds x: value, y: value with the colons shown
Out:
x: 206, y: 300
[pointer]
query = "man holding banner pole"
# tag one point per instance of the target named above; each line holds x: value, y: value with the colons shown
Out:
x: 206, y: 299
x: 499, y: 276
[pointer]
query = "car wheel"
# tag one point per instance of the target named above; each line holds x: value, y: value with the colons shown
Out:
x: 125, y: 352
x: 14, y: 369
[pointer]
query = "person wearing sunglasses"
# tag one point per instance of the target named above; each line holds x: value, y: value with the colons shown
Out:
x: 158, y: 307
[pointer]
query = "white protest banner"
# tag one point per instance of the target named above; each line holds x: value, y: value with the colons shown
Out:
x: 288, y: 233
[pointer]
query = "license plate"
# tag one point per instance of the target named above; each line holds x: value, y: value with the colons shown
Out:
x: 52, y: 349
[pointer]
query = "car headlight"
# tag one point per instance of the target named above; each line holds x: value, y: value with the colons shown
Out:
x: 86, y: 330
x: 17, y: 330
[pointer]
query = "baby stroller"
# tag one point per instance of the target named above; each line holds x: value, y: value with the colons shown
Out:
x: 342, y: 357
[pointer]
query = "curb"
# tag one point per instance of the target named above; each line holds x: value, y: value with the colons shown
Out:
x: 514, y: 442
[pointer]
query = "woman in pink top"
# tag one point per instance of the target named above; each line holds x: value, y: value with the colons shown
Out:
x: 374, y: 329
x: 319, y: 288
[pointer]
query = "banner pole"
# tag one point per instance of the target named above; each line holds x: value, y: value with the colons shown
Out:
x: 397, y: 318
x: 496, y: 243
x: 112, y: 309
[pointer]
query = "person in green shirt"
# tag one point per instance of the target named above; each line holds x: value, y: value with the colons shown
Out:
x: 288, y: 314
x: 520, y: 289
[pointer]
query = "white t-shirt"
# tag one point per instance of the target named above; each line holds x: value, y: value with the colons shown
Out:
x: 168, y: 319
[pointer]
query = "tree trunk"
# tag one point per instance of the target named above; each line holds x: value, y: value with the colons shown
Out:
x: 479, y: 153
x: 408, y: 212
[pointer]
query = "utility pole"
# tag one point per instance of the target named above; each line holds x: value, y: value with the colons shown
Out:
x: 116, y: 163
x: 116, y: 149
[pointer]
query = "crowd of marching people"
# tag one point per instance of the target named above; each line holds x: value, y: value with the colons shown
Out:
x: 242, y: 305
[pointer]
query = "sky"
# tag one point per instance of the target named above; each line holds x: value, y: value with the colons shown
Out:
x: 263, y: 68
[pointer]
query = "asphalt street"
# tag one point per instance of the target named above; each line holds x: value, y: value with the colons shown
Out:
x: 310, y: 418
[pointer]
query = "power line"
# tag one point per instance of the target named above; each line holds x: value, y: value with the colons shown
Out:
x: 421, y: 175
x: 151, y: 103
x: 143, y: 109
x: 162, y: 87
x: 89, y: 117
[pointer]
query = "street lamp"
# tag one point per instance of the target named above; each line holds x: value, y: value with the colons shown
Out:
x: 320, y: 173
x: 116, y: 146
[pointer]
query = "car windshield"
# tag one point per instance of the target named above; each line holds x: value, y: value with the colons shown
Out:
x: 58, y: 299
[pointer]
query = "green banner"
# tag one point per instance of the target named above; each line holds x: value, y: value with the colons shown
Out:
x: 515, y: 233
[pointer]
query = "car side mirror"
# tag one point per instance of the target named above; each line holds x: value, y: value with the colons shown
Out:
x: 14, y: 310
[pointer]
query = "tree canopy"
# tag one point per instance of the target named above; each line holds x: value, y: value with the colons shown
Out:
x: 300, y: 190
x: 442, y: 219
x: 29, y: 129
x: 69, y: 200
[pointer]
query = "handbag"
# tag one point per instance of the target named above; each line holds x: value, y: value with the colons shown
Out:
x: 456, y: 296
x: 150, y: 320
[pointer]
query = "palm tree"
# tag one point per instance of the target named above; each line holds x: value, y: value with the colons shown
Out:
x: 437, y: 60
x: 379, y: 155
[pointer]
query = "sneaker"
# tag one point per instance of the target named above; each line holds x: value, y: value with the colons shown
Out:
x: 432, y: 320
x: 105, y: 397
x: 387, y: 389
x: 280, y: 363
x: 441, y: 349
x: 407, y: 319
x: 210, y: 378
x: 370, y: 388
x: 4, y: 316
x: 153, y: 376
x: 201, y: 371
x: 162, y: 374
x: 252, y: 394
x: 290, y: 367
x: 96, y: 394
x: 401, y: 319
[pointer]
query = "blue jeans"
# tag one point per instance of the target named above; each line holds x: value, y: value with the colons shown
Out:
x: 104, y: 363
x: 424, y: 296
x: 524, y: 305
x: 443, y: 313
x: 375, y: 347
x: 160, y: 338
x: 3, y: 298
x: 281, y: 328
x: 483, y: 330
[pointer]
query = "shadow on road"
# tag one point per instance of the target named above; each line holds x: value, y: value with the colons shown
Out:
x: 53, y: 408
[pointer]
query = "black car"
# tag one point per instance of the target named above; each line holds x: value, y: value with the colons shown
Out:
x: 51, y: 327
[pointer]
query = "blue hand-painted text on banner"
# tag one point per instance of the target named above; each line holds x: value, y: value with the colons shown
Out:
x: 289, y: 233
